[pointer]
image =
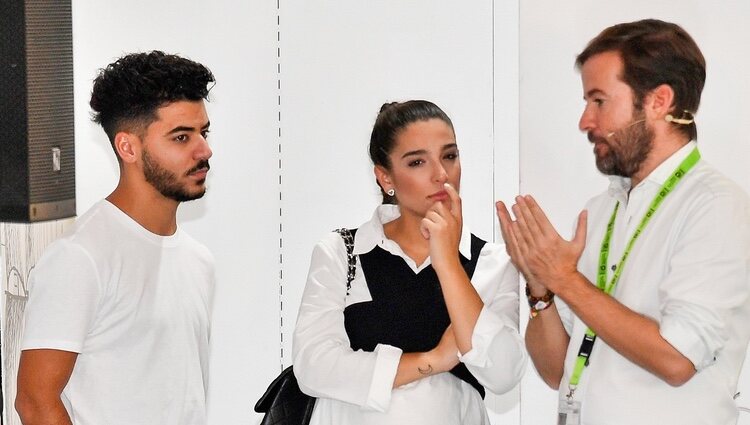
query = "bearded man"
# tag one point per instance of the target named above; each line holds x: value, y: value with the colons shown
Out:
x: 117, y: 322
x: 642, y: 317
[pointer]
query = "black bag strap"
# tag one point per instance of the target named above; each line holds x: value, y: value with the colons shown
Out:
x: 348, y: 236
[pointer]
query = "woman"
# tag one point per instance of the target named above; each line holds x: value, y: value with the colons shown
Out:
x: 430, y: 318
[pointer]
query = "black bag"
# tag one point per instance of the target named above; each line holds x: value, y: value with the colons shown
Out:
x: 283, y: 402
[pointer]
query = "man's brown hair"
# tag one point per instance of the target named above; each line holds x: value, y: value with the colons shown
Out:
x: 653, y: 53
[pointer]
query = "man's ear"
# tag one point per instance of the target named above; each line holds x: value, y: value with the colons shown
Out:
x: 659, y: 102
x: 127, y: 146
x: 383, y: 177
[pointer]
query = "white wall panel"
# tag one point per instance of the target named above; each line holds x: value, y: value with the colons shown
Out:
x: 506, y: 408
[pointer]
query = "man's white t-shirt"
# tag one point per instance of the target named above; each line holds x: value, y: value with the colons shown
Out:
x: 136, y: 307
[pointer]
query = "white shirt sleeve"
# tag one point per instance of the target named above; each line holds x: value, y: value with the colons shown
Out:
x: 324, y: 363
x: 707, y: 282
x: 64, y: 294
x: 497, y: 357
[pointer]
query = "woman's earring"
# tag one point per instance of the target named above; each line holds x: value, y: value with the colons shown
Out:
x: 391, y: 192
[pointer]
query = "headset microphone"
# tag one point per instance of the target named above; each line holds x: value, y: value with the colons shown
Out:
x: 683, y: 121
x: 612, y: 133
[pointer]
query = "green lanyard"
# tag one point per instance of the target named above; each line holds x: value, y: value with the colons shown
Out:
x: 601, y: 282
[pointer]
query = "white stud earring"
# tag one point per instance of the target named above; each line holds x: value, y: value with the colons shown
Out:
x: 391, y: 192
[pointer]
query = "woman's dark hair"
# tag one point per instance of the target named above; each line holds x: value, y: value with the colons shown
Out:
x: 128, y: 92
x: 653, y: 53
x: 392, y: 119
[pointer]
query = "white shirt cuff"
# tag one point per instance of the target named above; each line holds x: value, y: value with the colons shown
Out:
x: 383, y: 376
x: 693, y: 342
x: 486, y: 329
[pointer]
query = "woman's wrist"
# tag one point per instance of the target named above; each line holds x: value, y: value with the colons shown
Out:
x: 440, y: 359
x: 451, y: 263
x: 427, y: 364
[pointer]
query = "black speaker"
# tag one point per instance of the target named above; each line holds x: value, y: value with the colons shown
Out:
x: 37, y: 150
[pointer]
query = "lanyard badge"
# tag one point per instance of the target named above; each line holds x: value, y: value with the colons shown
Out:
x: 569, y: 409
x: 569, y: 412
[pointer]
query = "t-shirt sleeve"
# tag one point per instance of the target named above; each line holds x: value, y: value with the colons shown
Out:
x: 64, y: 293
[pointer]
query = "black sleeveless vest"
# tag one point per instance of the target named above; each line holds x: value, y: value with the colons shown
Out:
x: 407, y: 311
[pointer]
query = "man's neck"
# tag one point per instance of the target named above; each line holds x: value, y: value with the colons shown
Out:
x: 147, y: 207
x: 662, y: 149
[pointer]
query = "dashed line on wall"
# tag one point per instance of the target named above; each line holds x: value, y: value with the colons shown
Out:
x: 281, y: 211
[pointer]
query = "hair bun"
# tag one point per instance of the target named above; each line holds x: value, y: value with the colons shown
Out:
x: 386, y: 106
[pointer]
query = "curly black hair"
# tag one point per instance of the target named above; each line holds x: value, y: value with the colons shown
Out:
x: 128, y: 92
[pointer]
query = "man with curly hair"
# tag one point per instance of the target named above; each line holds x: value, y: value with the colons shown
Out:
x: 117, y: 322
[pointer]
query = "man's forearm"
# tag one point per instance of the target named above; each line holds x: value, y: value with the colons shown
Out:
x: 42, y: 376
x: 547, y: 343
x: 631, y: 334
x: 33, y: 411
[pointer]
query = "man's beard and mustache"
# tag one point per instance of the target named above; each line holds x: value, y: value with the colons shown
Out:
x: 167, y: 182
x: 627, y: 149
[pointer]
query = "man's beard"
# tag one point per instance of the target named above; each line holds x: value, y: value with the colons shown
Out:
x: 627, y: 149
x: 167, y: 182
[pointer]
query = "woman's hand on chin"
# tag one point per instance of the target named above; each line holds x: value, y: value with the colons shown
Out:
x: 442, y: 227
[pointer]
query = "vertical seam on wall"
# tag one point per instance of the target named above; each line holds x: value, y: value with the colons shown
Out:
x: 518, y: 94
x: 281, y: 233
x: 494, y: 116
x: 520, y: 146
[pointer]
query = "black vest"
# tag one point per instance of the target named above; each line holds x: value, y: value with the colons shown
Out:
x: 407, y: 311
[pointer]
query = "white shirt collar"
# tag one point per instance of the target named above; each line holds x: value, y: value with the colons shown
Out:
x: 371, y: 234
x: 620, y: 186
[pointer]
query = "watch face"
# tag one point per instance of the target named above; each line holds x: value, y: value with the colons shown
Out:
x: 540, y: 305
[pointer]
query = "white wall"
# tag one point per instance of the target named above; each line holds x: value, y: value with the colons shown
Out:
x: 557, y: 165
x: 299, y: 84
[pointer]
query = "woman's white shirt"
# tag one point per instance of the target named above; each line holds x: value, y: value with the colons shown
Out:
x: 355, y: 387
